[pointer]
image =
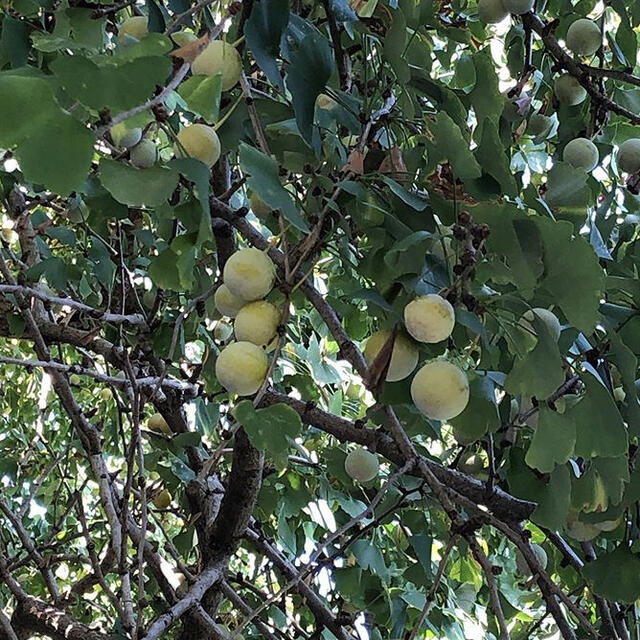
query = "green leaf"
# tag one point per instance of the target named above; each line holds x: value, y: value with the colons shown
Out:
x: 449, y: 145
x: 163, y: 270
x: 199, y: 174
x: 271, y: 429
x: 599, y: 426
x: 53, y: 148
x: 136, y: 187
x: 615, y: 575
x: 395, y: 45
x: 202, y: 95
x: 14, y: 41
x: 567, y: 187
x: 310, y: 68
x: 539, y: 373
x: 602, y: 485
x: 370, y: 558
x: 485, y: 97
x: 493, y: 159
x: 264, y: 179
x: 263, y: 31
x: 553, y: 440
x: 481, y: 414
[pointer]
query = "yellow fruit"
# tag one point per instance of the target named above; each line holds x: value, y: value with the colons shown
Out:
x: 199, y: 141
x: 162, y: 500
x: 241, y: 368
x: 491, y: 11
x: 257, y: 322
x: 133, y: 29
x: 219, y: 57
x: 581, y: 153
x: 124, y: 136
x: 259, y: 207
x: 323, y: 101
x: 540, y: 554
x: 429, y: 318
x: 404, y: 356
x: 440, y: 390
x: 583, y: 37
x: 569, y: 90
x: 628, y: 157
x: 106, y: 395
x: 158, y: 424
x: 226, y: 302
x: 361, y: 465
x: 518, y: 6
x: 144, y: 154
x: 222, y: 331
x: 552, y: 323
x: 249, y: 274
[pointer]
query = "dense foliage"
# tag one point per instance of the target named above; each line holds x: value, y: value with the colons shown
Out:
x: 209, y: 208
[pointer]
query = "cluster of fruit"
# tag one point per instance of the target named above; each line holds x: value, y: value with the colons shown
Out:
x: 196, y: 140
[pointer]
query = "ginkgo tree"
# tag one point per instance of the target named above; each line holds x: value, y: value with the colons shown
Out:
x: 319, y: 319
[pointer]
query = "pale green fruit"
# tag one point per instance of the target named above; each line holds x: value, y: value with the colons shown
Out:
x: 473, y: 464
x: 162, y: 500
x: 75, y: 379
x: 219, y: 57
x: 257, y: 322
x: 144, y: 154
x: 323, y: 101
x: 628, y: 157
x: 149, y: 298
x: 539, y: 124
x: 583, y: 37
x: 519, y: 6
x: 353, y: 391
x: 241, y: 368
x: 106, y: 394
x: 226, y: 302
x: 404, y: 356
x: 361, y: 465
x: 568, y: 90
x: 9, y: 234
x: 222, y: 331
x: 199, y: 141
x: 581, y: 153
x: 440, y: 390
x: 249, y: 274
x: 491, y: 11
x: 124, y: 136
x: 540, y: 554
x: 429, y: 318
x: 259, y: 207
x: 158, y: 424
x: 133, y: 29
x: 550, y: 320
x: 619, y: 394
x: 183, y: 37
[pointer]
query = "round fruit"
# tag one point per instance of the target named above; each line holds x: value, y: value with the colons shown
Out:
x: 541, y: 557
x: 473, y: 464
x: 429, y: 318
x: 9, y: 234
x: 491, y: 11
x: 133, y: 29
x: 629, y: 156
x: 219, y: 57
x: 199, y: 141
x: 144, y: 154
x: 519, y: 6
x: 353, y: 391
x: 569, y: 90
x: 249, y: 274
x: 124, y: 136
x: 440, y: 390
x: 158, y: 424
x: 583, y: 37
x: 404, y: 356
x: 257, y: 322
x: 619, y: 394
x: 226, y: 302
x: 361, y: 465
x: 539, y: 124
x: 149, y: 298
x: 323, y: 101
x: 183, y: 37
x: 241, y: 368
x: 581, y: 153
x: 75, y: 379
x: 106, y: 394
x: 259, y: 207
x: 222, y: 331
x: 162, y: 499
x: 550, y: 320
